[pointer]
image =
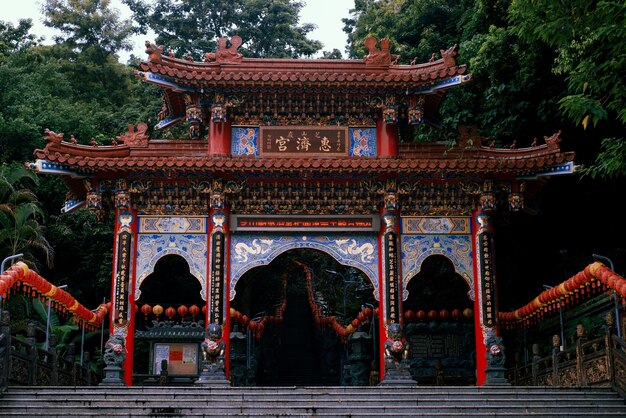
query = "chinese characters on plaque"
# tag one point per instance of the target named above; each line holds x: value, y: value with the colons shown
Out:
x: 391, y: 276
x: 304, y: 141
x: 488, y: 280
x: 217, y: 278
x: 123, y: 277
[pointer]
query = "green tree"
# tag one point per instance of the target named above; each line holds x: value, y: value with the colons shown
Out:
x: 589, y: 39
x: 87, y: 24
x: 15, y: 38
x: 268, y: 28
x: 21, y: 217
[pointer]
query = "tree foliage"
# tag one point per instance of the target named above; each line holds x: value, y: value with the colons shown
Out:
x: 268, y: 28
x: 88, y: 24
x: 589, y: 39
x: 21, y: 217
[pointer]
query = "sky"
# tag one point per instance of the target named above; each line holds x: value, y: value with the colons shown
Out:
x: 326, y: 14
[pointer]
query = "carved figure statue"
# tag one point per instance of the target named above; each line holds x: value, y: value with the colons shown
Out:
x: 495, y: 350
x: 396, y: 350
x: 212, y: 348
x: 115, y: 350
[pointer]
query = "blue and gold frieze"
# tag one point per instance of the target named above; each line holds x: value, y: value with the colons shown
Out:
x: 457, y: 248
x: 362, y: 142
x: 253, y: 250
x: 245, y: 141
x: 172, y: 225
x: 436, y: 225
x: 152, y: 247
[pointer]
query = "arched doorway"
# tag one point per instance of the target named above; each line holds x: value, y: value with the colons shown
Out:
x: 440, y: 325
x: 170, y: 285
x: 299, y: 307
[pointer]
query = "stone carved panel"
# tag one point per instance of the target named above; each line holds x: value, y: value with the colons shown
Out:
x: 253, y: 250
x: 596, y: 370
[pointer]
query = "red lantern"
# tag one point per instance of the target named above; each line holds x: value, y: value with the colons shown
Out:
x: 194, y: 310
x: 456, y: 314
x: 433, y: 315
x: 355, y: 323
x: 409, y: 315
x: 146, y: 309
x: 182, y: 310
x: 421, y: 315
x: 444, y: 314
x: 157, y: 310
x: 170, y: 312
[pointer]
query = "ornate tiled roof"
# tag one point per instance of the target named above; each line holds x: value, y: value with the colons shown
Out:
x: 155, y: 155
x: 230, y: 67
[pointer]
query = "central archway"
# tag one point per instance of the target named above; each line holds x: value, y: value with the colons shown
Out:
x: 303, y: 300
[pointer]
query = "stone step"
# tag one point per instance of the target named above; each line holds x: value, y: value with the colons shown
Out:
x: 377, y: 401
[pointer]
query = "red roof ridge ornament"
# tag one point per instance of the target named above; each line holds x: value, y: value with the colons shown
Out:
x: 376, y: 56
x: 154, y: 51
x: 553, y: 141
x: 449, y: 55
x: 226, y: 54
x: 137, y: 138
x: 52, y: 136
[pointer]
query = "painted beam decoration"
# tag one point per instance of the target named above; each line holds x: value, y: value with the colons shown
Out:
x: 304, y: 141
x: 304, y: 223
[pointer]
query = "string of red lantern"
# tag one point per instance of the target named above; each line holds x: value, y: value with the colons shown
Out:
x: 170, y: 312
x: 20, y: 278
x: 257, y: 326
x: 442, y: 315
x: 594, y: 278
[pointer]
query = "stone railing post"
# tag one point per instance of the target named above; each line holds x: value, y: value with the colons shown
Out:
x: 31, y: 342
x: 608, y: 343
x: 5, y: 349
x: 53, y: 361
x: 555, y: 368
x: 580, y: 371
x: 535, y: 365
x: 85, y: 370
x: 70, y: 358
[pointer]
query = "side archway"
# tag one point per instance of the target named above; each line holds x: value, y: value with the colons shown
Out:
x: 152, y: 247
x: 456, y: 248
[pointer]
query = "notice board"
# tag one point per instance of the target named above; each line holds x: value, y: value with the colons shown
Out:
x: 182, y: 358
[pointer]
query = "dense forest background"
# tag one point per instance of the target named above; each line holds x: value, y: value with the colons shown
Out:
x: 539, y: 66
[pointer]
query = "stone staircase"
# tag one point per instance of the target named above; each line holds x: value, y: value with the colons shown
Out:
x: 388, y: 401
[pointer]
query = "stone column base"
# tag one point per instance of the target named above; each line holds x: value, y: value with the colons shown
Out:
x: 113, y: 376
x: 495, y: 376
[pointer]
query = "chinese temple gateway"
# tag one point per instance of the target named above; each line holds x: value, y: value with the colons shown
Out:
x: 299, y: 184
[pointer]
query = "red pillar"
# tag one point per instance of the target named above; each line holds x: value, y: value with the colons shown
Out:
x: 219, y: 138
x: 485, y: 303
x: 386, y: 139
x: 218, y: 284
x: 122, y: 319
x: 390, y: 282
